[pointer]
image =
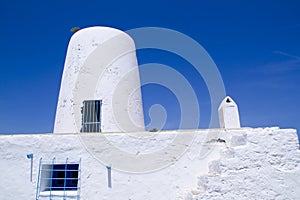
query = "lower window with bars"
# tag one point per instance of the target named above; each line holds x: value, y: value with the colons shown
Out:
x: 58, y: 179
x: 91, y: 116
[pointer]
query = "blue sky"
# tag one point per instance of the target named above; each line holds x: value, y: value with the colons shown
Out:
x: 255, y: 45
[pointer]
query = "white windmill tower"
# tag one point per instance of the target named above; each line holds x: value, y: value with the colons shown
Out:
x: 100, y: 87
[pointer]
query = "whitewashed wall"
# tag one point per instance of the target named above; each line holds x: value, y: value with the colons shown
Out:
x: 219, y: 164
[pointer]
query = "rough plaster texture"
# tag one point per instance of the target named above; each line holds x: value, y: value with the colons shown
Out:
x: 100, y: 64
x: 229, y: 114
x: 263, y: 164
x: 217, y: 164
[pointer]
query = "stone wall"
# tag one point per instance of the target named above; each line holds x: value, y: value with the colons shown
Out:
x: 261, y: 163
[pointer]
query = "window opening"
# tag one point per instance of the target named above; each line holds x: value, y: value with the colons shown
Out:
x: 58, y: 179
x: 91, y: 116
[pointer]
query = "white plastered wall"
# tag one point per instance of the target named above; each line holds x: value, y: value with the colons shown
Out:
x: 262, y: 163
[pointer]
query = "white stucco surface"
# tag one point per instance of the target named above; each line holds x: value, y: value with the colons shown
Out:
x: 229, y: 114
x: 100, y: 64
x: 261, y: 163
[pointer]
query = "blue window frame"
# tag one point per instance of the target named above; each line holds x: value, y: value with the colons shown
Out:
x: 58, y: 179
x: 65, y: 176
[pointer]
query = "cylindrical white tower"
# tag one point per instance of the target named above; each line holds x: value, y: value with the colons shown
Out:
x: 100, y: 87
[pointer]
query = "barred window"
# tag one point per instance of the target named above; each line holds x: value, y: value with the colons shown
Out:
x: 91, y: 116
x: 58, y: 179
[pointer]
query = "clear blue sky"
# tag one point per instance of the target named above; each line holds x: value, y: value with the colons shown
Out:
x: 255, y: 45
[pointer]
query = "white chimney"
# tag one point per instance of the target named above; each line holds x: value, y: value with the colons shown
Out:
x: 229, y: 114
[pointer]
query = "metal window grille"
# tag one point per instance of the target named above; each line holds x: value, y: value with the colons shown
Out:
x: 58, y: 179
x: 91, y: 116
